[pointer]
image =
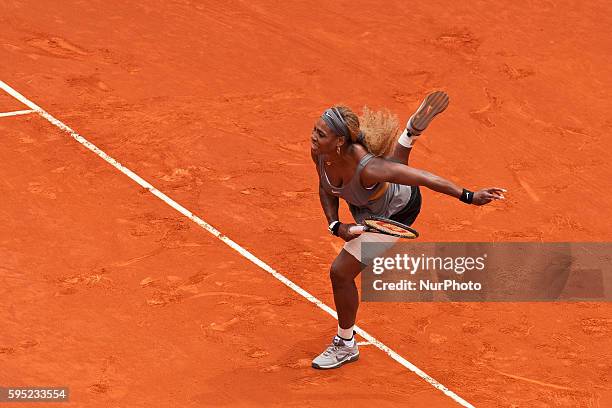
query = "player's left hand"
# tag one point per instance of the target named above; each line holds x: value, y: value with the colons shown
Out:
x: 486, y: 195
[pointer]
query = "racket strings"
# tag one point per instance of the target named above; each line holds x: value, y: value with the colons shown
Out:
x: 390, y: 228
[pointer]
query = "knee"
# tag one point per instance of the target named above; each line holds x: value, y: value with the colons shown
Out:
x: 339, y: 276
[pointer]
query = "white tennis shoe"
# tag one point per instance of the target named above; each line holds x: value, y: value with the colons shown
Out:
x: 433, y: 104
x: 337, y: 354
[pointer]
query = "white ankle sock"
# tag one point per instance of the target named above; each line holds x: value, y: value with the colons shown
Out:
x: 407, y: 139
x: 346, y: 334
x: 404, y: 139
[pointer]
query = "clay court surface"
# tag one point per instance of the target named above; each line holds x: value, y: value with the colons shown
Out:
x: 106, y: 289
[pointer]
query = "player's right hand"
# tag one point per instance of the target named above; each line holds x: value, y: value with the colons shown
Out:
x: 343, y: 232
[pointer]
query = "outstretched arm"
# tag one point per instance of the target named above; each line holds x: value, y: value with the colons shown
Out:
x: 380, y: 170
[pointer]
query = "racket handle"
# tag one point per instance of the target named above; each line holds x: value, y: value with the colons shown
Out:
x: 357, y: 229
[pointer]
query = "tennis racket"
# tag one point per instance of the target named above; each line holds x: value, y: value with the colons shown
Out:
x: 384, y: 226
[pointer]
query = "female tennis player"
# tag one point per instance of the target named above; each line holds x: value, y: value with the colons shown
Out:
x: 364, y: 163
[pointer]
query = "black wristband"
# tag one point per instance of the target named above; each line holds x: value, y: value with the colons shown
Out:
x: 335, y: 228
x: 467, y: 196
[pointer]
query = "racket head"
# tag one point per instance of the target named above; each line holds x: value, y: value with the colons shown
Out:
x: 390, y: 227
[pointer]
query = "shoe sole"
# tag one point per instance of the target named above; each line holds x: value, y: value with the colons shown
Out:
x: 434, y: 104
x: 339, y: 364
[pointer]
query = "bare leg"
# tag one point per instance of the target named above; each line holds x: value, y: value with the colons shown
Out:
x: 343, y: 272
x: 400, y: 154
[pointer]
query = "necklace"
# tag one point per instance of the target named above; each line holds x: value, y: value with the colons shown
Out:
x: 331, y: 162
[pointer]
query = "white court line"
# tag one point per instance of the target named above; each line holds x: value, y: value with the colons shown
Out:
x: 230, y: 243
x: 16, y: 113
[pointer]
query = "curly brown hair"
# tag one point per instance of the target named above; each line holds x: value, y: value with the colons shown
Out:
x: 380, y: 129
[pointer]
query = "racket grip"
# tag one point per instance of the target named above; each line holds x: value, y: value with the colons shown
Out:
x: 357, y: 229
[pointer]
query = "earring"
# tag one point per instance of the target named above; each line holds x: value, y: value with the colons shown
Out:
x: 338, y: 150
